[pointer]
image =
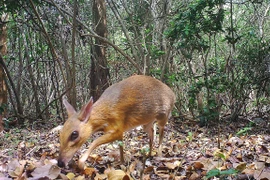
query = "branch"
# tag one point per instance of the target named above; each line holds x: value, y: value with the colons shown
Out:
x: 48, y: 105
x: 54, y: 54
x: 95, y: 35
x: 116, y: 13
x: 117, y: 49
x: 2, y: 63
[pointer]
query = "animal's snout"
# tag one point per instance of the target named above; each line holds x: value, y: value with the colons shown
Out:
x: 60, y: 163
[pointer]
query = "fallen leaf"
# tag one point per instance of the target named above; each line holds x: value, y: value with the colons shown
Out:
x: 70, y: 175
x: 240, y: 166
x: 235, y: 141
x: 16, y: 168
x: 170, y: 165
x: 80, y: 178
x: 198, y: 165
x: 194, y: 176
x: 262, y: 174
x: 117, y: 175
x: 149, y: 169
x: 49, y: 171
x: 89, y: 171
x: 264, y: 159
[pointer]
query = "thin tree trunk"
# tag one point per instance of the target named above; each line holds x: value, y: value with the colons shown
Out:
x: 3, y: 87
x: 12, y: 86
x: 72, y: 79
x: 99, y: 67
x: 32, y: 79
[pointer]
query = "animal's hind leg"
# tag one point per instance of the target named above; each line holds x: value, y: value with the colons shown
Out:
x: 149, y: 129
x: 161, y: 124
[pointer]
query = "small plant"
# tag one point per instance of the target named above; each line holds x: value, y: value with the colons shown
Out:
x: 220, y: 174
x: 145, y: 150
x: 120, y: 143
x: 189, y: 137
x: 2, y: 108
x: 7, y: 135
x: 243, y: 131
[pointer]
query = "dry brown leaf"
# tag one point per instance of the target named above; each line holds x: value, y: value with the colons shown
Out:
x: 194, y: 176
x: 264, y: 159
x: 170, y: 165
x: 149, y: 169
x: 70, y: 175
x: 118, y: 175
x: 89, y: 171
x: 126, y: 177
x: 198, y: 165
x: 239, y: 156
x: 50, y: 171
x: 132, y: 166
x: 80, y: 178
x: 4, y: 178
x: 62, y: 177
x: 248, y: 171
x: 240, y: 166
x: 4, y: 167
x: 100, y: 176
x: 259, y: 165
x: 13, y: 164
x: 146, y: 177
x: 16, y: 168
x: 235, y: 141
x: 262, y: 174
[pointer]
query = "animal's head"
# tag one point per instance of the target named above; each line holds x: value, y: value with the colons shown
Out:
x: 75, y: 131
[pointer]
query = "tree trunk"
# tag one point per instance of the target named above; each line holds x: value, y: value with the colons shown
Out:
x: 72, y: 93
x: 99, y: 66
x: 3, y: 51
x: 32, y: 79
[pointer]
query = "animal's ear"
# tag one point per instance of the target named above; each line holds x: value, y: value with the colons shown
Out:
x: 69, y: 108
x: 86, y: 111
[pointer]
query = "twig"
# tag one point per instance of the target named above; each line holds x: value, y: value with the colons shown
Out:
x: 30, y: 151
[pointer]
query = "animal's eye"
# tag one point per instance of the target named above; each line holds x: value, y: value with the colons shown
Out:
x: 74, y: 135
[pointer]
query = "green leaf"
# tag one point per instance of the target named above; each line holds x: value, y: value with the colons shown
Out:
x: 217, y: 173
x: 212, y: 173
x: 228, y: 172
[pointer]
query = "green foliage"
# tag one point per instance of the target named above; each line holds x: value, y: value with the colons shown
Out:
x: 120, y: 143
x: 192, y: 23
x: 220, y: 155
x: 193, y: 30
x: 2, y: 108
x: 216, y: 83
x: 145, y: 150
x: 171, y: 79
x: 156, y: 52
x: 190, y: 136
x: 219, y: 173
x: 13, y: 5
x: 254, y: 61
x: 244, y: 131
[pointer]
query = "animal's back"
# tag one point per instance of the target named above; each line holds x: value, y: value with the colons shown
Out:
x: 136, y: 101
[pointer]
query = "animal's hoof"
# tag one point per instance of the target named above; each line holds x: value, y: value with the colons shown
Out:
x: 81, y: 165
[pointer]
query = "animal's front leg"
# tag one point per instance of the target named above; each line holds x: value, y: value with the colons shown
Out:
x: 106, y: 138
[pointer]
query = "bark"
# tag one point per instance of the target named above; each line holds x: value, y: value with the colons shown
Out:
x: 32, y: 79
x: 3, y: 87
x: 99, y: 66
x: 72, y: 94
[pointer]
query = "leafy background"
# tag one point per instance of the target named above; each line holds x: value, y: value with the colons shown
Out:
x: 214, y: 54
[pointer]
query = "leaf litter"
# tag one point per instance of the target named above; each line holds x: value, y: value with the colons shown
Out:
x: 189, y: 152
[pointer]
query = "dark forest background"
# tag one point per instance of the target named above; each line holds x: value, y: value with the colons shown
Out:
x: 214, y: 54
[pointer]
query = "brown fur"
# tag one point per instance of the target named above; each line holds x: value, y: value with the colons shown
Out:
x: 137, y: 100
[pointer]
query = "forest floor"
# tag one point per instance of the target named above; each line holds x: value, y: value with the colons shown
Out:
x: 231, y: 150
